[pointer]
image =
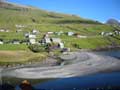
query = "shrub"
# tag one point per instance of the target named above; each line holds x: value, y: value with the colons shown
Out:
x: 76, y: 46
x: 37, y: 48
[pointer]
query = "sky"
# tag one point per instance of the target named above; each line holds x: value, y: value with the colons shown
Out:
x: 100, y: 10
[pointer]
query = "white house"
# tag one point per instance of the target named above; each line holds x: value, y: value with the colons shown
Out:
x: 31, y: 36
x: 70, y: 33
x: 34, y: 31
x: 61, y: 45
x: 47, y: 40
x: 117, y: 32
x: 81, y: 36
x: 7, y: 30
x: 102, y: 33
x: 2, y: 30
x: 15, y: 42
x: 56, y: 40
x: 50, y: 32
x: 19, y: 26
x: 109, y: 34
x: 1, y: 42
x: 32, y: 41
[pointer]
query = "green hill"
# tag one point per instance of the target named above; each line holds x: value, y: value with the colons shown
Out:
x: 44, y: 21
x: 29, y: 18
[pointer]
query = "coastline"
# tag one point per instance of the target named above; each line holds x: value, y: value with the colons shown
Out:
x: 95, y: 64
x: 47, y: 62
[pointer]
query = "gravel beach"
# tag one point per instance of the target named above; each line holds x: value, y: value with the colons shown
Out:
x: 85, y: 63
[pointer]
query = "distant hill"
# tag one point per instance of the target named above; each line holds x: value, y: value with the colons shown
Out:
x: 113, y: 22
x: 21, y: 14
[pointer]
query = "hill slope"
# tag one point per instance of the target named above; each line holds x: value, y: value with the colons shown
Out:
x: 12, y: 15
x: 44, y: 21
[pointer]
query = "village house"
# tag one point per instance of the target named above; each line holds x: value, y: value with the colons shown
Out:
x: 46, y: 36
x: 2, y: 30
x: 7, y: 30
x: 81, y: 36
x: 1, y: 41
x: 109, y: 34
x: 59, y: 33
x: 19, y: 30
x: 31, y: 36
x: 56, y: 40
x: 50, y: 32
x: 61, y: 45
x: 47, y: 40
x: 102, y: 33
x: 26, y: 35
x: 34, y: 31
x: 15, y: 42
x: 19, y: 26
x: 32, y: 39
x: 70, y: 33
x: 117, y: 32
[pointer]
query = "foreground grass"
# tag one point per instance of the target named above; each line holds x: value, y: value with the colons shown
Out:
x: 20, y: 57
x: 13, y: 47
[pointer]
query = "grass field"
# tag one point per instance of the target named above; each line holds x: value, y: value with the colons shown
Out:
x: 13, y: 47
x: 20, y: 57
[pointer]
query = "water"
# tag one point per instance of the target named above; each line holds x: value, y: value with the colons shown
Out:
x: 100, y: 81
x: 79, y: 83
x: 112, y: 53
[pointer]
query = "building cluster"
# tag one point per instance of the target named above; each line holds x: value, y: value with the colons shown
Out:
x: 114, y: 33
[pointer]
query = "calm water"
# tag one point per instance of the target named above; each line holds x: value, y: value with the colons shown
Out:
x: 80, y: 83
x: 101, y: 81
x: 113, y: 53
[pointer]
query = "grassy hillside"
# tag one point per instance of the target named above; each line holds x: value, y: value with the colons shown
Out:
x: 44, y: 21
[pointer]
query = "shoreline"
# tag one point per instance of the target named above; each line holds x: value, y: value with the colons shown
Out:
x: 22, y: 64
x: 95, y: 64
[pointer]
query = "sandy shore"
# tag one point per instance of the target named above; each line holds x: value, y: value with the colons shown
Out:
x: 81, y: 66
